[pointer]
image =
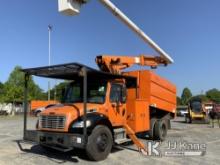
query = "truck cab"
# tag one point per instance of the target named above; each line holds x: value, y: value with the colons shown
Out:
x: 105, y: 98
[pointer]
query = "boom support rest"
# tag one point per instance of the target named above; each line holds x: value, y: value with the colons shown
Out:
x: 115, y: 64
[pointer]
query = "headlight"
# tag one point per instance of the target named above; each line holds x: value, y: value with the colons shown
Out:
x: 79, y: 124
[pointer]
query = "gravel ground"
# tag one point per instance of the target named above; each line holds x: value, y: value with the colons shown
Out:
x: 14, y: 151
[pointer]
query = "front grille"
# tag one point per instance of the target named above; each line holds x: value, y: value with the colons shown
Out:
x: 52, y: 122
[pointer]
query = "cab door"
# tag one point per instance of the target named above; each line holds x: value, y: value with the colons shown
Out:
x: 117, y: 104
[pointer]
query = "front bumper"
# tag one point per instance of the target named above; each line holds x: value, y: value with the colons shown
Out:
x: 59, y: 141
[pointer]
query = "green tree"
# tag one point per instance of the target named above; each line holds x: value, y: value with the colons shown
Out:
x: 186, y: 95
x: 1, y: 86
x: 214, y: 95
x: 178, y: 100
x: 1, y: 92
x: 59, y: 90
x: 14, y: 87
x: 204, y: 98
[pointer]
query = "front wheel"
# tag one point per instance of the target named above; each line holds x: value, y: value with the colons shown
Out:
x: 99, y: 143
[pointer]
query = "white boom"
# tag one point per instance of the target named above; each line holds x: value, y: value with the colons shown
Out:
x: 72, y: 7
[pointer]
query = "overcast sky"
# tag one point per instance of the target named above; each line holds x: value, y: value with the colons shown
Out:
x: 189, y: 30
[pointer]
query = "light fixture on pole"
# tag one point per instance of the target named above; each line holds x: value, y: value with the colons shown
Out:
x: 49, y: 56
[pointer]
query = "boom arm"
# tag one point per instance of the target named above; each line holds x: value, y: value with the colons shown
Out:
x: 115, y: 64
x: 72, y: 7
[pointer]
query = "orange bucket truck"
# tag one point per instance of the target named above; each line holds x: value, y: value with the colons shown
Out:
x: 105, y: 107
x: 102, y: 108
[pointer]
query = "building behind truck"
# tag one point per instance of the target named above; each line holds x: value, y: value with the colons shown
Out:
x: 11, y: 108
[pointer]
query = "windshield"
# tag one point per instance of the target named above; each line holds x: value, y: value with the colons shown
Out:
x: 196, y: 106
x: 95, y: 93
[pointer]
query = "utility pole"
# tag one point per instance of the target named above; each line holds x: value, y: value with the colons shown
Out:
x: 49, y: 56
x: 55, y: 91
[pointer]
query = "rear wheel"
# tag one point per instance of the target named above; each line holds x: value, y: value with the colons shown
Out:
x: 188, y: 119
x: 160, y: 130
x: 99, y: 143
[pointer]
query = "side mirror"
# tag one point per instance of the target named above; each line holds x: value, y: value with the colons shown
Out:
x: 117, y: 102
x: 123, y: 94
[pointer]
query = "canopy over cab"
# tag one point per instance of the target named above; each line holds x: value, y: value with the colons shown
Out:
x: 69, y: 71
x: 73, y: 71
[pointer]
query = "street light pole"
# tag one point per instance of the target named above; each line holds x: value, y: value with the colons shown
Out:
x: 49, y: 56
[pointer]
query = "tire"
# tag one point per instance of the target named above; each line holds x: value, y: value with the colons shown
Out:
x: 151, y: 132
x: 99, y: 143
x: 188, y: 119
x: 160, y: 130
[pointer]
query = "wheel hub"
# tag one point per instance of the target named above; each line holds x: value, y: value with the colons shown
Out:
x: 102, y: 142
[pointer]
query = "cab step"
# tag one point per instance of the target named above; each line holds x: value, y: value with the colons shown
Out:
x: 121, y: 141
x: 120, y: 136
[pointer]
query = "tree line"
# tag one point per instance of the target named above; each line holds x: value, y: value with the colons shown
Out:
x: 13, y: 89
x: 212, y: 95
